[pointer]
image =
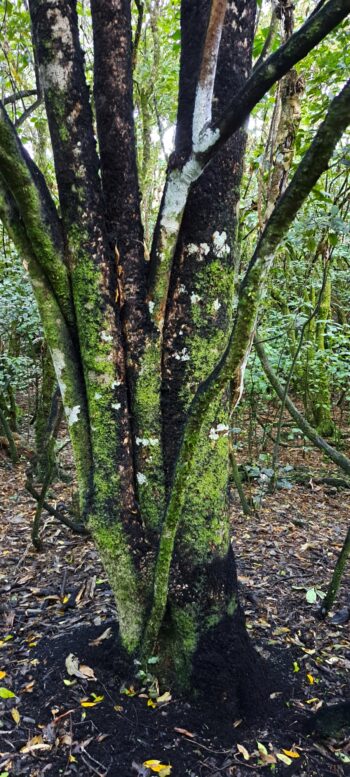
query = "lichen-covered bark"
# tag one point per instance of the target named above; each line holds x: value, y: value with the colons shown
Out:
x: 47, y: 391
x: 232, y: 364
x: 115, y: 123
x: 57, y: 332
x: 198, y: 318
x: 113, y: 515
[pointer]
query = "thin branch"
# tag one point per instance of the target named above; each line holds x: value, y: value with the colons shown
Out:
x: 12, y: 98
x: 338, y: 458
x: 268, y: 40
x: 140, y: 11
x: 79, y: 528
x: 28, y: 112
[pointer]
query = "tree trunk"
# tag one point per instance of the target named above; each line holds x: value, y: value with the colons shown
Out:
x: 144, y: 356
x: 203, y: 609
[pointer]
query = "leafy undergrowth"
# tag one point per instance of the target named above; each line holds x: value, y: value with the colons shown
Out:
x: 64, y: 708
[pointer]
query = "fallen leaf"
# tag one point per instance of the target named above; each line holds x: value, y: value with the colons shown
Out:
x: 284, y: 758
x: 29, y: 687
x: 78, y: 670
x: 128, y: 691
x: 310, y: 678
x: 2, y: 674
x: 86, y: 703
x: 87, y: 672
x: 36, y: 743
x: 6, y: 694
x: 105, y: 635
x: 290, y: 753
x: 66, y: 740
x: 151, y: 704
x: 165, y: 697
x: 158, y: 767
x: 262, y: 748
x: 16, y: 715
x: 243, y: 751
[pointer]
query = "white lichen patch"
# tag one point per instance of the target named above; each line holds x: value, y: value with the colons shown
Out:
x: 72, y: 414
x: 195, y: 298
x: 141, y: 478
x: 220, y: 245
x: 178, y: 186
x: 147, y: 441
x: 57, y: 74
x: 206, y: 139
x: 116, y: 383
x: 183, y: 356
x: 192, y: 248
x: 59, y: 365
x: 221, y: 430
x: 216, y: 305
x: 106, y: 337
x: 204, y: 248
x: 116, y: 405
x: 151, y: 306
x: 98, y: 396
x: 182, y: 289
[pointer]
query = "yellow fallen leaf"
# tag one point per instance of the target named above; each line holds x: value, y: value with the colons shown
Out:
x: 262, y: 748
x: 16, y: 715
x: 312, y: 701
x: 243, y: 751
x: 291, y: 753
x: 158, y: 767
x: 165, y: 697
x: 310, y: 678
x: 36, y: 743
x: 128, y: 691
x: 86, y: 703
x: 151, y: 703
x: 2, y: 674
x: 72, y: 759
x: 118, y: 708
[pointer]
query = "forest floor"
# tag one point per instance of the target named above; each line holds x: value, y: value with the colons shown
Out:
x: 57, y: 603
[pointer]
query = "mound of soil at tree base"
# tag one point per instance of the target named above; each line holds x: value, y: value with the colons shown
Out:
x: 78, y: 726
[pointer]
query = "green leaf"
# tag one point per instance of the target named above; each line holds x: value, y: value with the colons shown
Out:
x: 311, y: 595
x: 284, y: 758
x: 6, y: 694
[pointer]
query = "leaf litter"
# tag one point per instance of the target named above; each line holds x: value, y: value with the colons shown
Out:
x: 57, y: 607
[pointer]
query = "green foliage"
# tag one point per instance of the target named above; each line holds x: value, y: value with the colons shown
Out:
x: 20, y: 328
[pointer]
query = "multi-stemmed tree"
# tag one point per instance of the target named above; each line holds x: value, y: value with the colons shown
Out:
x: 150, y: 356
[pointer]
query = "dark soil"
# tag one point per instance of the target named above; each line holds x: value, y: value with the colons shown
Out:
x: 58, y: 603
